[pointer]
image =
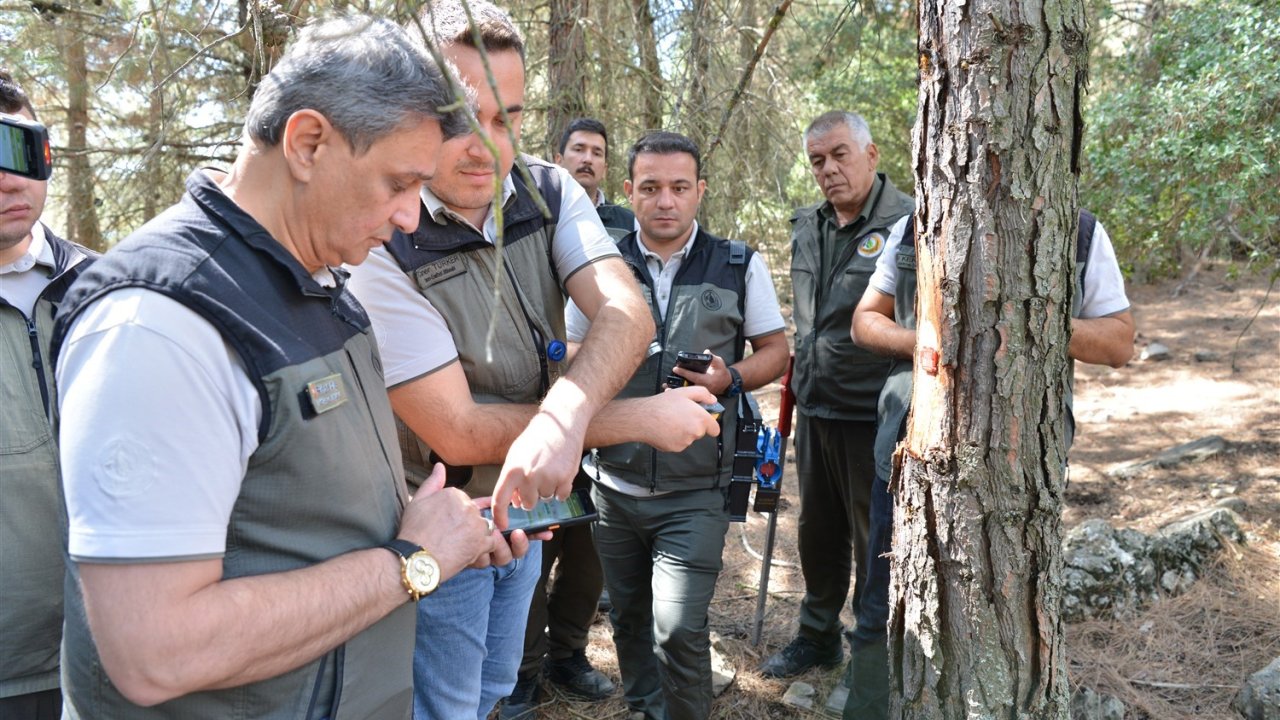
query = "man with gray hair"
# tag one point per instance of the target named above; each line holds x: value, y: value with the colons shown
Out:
x: 242, y: 540
x: 834, y: 246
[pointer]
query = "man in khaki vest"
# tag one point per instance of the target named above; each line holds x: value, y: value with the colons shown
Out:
x: 478, y: 376
x: 36, y: 268
x: 242, y: 540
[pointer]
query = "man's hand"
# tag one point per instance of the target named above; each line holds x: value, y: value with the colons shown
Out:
x: 448, y: 524
x: 506, y: 549
x: 716, y: 378
x: 541, y: 463
x: 673, y: 419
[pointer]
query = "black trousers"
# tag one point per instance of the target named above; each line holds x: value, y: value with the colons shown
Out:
x: 835, y: 461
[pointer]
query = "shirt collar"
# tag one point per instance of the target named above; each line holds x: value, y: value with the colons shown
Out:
x: 681, y: 253
x: 39, y: 252
x: 441, y: 214
x: 864, y: 215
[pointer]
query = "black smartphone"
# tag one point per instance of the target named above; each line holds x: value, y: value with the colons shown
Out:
x: 24, y: 148
x: 550, y: 514
x: 697, y: 362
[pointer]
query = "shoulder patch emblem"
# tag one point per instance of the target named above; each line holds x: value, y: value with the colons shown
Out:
x: 871, y: 245
x: 711, y: 299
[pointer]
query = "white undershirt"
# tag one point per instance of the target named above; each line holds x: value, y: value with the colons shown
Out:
x: 22, y: 280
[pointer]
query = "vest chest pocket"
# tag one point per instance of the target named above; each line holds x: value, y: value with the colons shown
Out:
x: 23, y: 426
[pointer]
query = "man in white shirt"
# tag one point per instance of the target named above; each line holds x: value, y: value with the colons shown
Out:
x: 663, y: 515
x: 884, y: 322
x: 242, y: 540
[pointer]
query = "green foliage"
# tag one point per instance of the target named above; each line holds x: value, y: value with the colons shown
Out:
x: 1184, y: 147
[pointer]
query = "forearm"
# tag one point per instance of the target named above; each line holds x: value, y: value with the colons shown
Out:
x: 160, y: 645
x: 1102, y: 341
x: 882, y: 336
x: 440, y: 409
x: 765, y: 364
x: 603, y: 363
x: 480, y: 436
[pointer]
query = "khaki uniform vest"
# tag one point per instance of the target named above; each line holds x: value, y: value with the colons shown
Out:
x: 833, y: 378
x: 33, y: 526
x: 319, y: 485
x: 456, y: 270
x: 705, y: 310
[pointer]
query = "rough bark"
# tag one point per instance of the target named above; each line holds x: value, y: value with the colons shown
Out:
x: 975, y: 628
x: 566, y: 69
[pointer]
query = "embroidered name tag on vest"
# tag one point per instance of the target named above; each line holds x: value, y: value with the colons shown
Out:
x: 906, y: 260
x: 439, y: 271
x: 326, y: 393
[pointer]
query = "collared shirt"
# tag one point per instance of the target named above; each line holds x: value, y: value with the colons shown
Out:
x: 442, y: 214
x: 19, y: 286
x: 762, y: 313
x: 834, y: 235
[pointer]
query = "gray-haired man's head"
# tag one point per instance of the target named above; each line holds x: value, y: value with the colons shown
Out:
x: 363, y: 74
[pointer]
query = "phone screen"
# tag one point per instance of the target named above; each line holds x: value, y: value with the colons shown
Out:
x: 575, y: 509
x: 13, y: 150
x: 24, y: 148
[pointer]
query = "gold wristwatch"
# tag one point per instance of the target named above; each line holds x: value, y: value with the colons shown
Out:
x: 419, y: 572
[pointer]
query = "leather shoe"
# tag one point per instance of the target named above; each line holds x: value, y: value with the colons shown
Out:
x: 578, y: 678
x: 522, y: 703
x: 800, y: 655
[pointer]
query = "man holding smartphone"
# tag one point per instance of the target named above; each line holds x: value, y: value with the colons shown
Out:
x: 663, y: 515
x: 476, y: 377
x: 36, y: 268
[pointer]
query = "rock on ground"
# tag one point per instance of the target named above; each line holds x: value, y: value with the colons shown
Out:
x: 1259, y: 699
x: 1089, y: 705
x: 1108, y: 571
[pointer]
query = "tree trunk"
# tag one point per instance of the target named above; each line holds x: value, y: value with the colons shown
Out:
x: 691, y: 114
x: 82, y: 206
x: 975, y: 628
x: 566, y: 69
x: 651, y: 85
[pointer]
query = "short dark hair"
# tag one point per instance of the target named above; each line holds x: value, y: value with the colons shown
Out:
x: 590, y: 125
x: 661, y: 142
x: 12, y: 98
x: 446, y: 24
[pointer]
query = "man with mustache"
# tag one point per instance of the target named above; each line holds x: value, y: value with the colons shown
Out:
x: 584, y: 151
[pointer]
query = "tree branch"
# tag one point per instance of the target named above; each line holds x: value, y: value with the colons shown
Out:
x: 747, y: 73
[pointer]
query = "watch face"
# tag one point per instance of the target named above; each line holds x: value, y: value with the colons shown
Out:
x: 423, y: 572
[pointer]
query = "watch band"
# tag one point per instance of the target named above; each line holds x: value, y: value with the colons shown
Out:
x: 401, y: 547
x: 735, y: 384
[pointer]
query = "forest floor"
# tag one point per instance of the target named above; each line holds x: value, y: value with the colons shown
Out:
x: 1180, y: 657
